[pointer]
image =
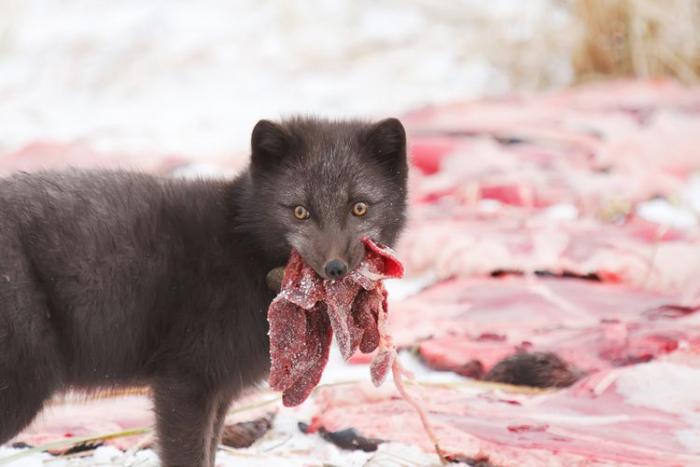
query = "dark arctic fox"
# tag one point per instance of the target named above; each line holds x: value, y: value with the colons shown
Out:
x: 110, y: 279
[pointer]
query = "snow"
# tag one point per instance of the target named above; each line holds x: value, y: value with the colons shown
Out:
x: 104, y: 456
x: 691, y: 194
x: 36, y: 460
x: 664, y: 213
x: 193, y: 77
x: 400, y: 289
x: 562, y: 211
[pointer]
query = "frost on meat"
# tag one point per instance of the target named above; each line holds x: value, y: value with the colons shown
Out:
x: 309, y: 310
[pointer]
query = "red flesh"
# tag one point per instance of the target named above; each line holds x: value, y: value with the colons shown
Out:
x: 309, y: 310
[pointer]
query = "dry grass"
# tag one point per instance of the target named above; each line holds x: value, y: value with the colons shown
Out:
x: 638, y: 38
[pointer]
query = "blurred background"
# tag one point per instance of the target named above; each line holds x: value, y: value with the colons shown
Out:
x: 193, y: 77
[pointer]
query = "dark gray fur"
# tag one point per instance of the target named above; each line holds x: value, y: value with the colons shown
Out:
x: 111, y: 279
x: 536, y: 369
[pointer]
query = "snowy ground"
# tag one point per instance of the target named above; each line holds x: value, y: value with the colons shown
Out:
x: 193, y: 77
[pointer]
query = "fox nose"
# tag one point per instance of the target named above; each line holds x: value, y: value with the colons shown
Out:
x: 335, y: 269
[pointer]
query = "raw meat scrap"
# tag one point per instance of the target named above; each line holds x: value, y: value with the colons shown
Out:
x: 44, y: 155
x: 455, y: 241
x: 590, y: 325
x: 639, y: 415
x: 511, y: 309
x: 308, y: 310
x: 523, y: 159
x: 55, y: 155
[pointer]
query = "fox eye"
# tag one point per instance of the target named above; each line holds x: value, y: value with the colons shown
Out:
x: 301, y: 213
x: 359, y: 209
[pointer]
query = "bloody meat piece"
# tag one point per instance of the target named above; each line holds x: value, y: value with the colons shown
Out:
x: 591, y: 326
x: 43, y: 155
x: 615, y: 417
x: 308, y: 310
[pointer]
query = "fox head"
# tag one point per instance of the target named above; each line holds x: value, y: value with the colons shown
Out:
x: 321, y: 186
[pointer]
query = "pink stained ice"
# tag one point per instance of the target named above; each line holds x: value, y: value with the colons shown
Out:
x: 309, y: 310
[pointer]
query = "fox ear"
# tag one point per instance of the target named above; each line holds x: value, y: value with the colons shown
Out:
x: 269, y: 143
x: 387, y: 143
